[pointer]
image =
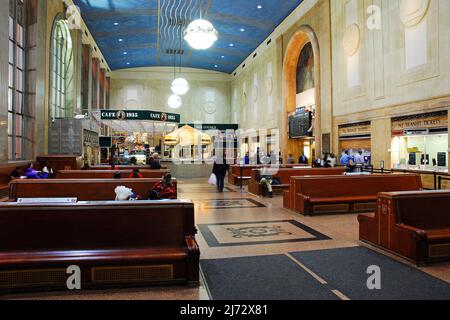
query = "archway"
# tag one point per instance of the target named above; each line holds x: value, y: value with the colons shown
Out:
x: 298, y: 41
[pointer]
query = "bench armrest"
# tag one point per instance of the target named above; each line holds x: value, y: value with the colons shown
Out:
x: 365, y: 218
x: 303, y: 204
x: 192, y: 244
x: 192, y: 267
x: 416, y: 234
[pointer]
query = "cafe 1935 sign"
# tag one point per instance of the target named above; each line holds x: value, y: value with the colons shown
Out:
x: 136, y: 115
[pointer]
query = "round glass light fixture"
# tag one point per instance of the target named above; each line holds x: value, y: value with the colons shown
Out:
x: 174, y: 101
x: 201, y: 34
x: 180, y: 86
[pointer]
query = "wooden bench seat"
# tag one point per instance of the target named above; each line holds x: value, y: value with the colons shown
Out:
x: 414, y: 225
x: 285, y: 174
x: 342, y: 194
x: 82, y: 189
x: 108, y: 174
x: 115, y: 244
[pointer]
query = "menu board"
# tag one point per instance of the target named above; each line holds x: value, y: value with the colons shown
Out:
x: 299, y: 125
x: 442, y: 159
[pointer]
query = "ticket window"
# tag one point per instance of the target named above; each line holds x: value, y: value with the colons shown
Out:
x: 421, y: 150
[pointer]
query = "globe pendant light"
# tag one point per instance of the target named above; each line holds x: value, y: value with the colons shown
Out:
x: 180, y: 86
x: 201, y: 34
x: 174, y: 101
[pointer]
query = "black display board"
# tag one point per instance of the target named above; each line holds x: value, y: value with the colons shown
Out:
x: 299, y: 125
x: 442, y: 159
x: 105, y: 142
x: 412, y: 159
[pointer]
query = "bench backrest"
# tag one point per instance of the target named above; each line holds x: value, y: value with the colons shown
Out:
x: 108, y: 167
x: 95, y: 225
x: 83, y: 189
x: 363, y: 185
x: 107, y: 174
x: 424, y: 210
x: 285, y: 174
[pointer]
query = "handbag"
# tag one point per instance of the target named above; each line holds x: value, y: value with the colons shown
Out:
x: 212, y: 180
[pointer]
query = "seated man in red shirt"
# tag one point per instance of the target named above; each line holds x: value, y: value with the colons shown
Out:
x: 164, y: 190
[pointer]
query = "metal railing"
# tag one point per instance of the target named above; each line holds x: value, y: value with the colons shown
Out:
x: 438, y: 177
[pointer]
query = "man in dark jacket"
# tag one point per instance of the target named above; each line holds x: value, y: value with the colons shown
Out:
x: 220, y: 170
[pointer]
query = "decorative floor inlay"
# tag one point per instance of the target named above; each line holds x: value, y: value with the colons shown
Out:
x: 256, y: 233
x: 230, y: 204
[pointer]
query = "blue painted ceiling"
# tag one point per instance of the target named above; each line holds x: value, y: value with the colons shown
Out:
x: 138, y: 33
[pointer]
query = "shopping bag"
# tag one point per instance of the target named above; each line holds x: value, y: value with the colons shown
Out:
x: 213, y: 180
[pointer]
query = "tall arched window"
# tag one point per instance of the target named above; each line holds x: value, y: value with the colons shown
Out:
x: 305, y: 69
x: 62, y: 72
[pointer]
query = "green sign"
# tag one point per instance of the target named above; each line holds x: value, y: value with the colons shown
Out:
x: 207, y: 126
x: 136, y: 115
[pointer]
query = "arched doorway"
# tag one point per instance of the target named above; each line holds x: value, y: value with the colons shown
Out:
x: 301, y: 88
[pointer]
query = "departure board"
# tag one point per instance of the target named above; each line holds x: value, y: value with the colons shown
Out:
x: 299, y: 125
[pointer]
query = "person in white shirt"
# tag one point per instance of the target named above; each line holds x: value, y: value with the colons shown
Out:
x: 359, y: 159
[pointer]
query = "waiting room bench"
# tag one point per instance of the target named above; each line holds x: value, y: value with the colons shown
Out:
x: 414, y: 225
x: 82, y: 189
x: 115, y: 244
x: 344, y: 194
x: 108, y: 174
x: 285, y: 174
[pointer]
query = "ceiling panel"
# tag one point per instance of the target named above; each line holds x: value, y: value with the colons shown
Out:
x: 137, y: 33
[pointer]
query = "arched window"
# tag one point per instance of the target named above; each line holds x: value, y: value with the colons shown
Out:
x: 62, y: 72
x: 305, y: 69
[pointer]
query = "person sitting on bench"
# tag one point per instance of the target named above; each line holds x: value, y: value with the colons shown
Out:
x: 163, y: 190
x: 15, y: 174
x: 266, y: 182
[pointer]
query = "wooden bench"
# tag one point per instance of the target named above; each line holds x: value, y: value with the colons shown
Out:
x: 414, y: 225
x: 115, y: 244
x: 234, y: 176
x: 125, y: 167
x: 289, y: 198
x: 82, y: 189
x: 344, y: 194
x: 107, y: 174
x: 5, y: 178
x: 285, y: 174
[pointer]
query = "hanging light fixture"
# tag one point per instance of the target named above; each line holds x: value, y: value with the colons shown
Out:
x: 180, y: 86
x: 201, y: 34
x: 174, y: 101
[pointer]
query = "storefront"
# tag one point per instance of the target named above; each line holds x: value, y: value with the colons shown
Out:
x: 135, y: 134
x: 355, y: 138
x: 420, y: 141
x: 188, y: 144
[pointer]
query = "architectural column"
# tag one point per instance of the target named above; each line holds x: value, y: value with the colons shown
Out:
x: 86, y: 83
x: 31, y: 72
x: 381, y: 142
x: 42, y: 64
x: 78, y: 59
x: 101, y: 102
x: 95, y: 71
x: 448, y: 164
x: 4, y: 54
x: 107, y: 92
